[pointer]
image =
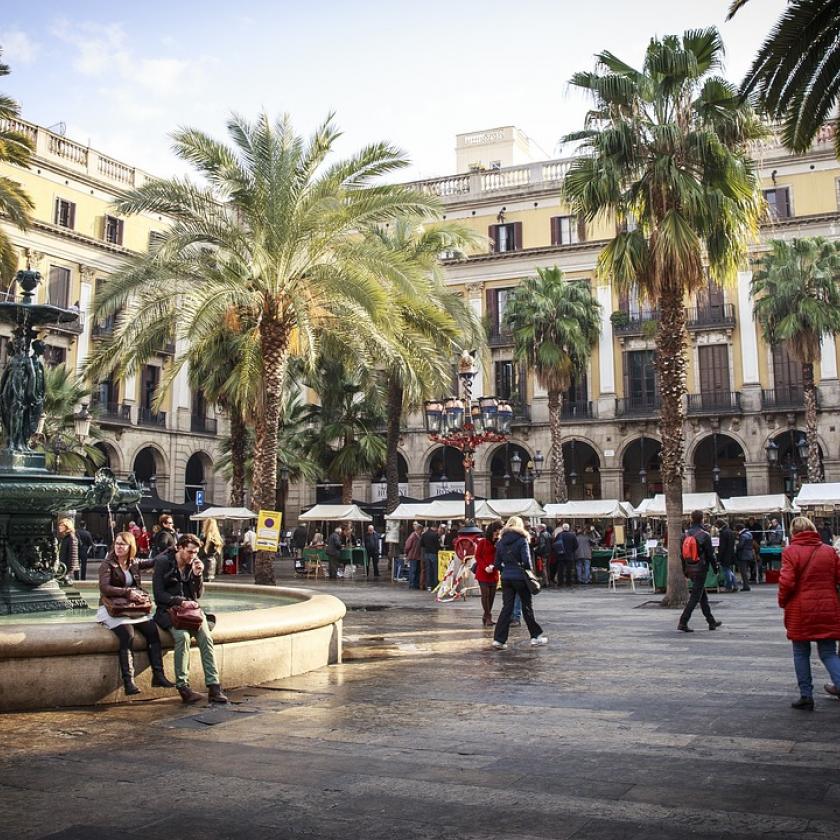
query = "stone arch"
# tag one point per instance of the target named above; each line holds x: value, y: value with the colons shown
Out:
x: 640, y: 467
x: 379, y: 482
x: 198, y: 475
x: 696, y: 440
x: 582, y: 462
x: 722, y: 456
x: 113, y: 456
x: 791, y: 470
x: 486, y: 454
x: 152, y: 461
x: 504, y: 483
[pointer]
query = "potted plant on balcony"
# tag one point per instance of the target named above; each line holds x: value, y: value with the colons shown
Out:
x: 620, y: 319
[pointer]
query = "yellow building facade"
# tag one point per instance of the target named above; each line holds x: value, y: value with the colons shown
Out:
x: 76, y: 241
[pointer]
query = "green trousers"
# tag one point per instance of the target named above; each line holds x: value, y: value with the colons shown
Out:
x: 182, y: 655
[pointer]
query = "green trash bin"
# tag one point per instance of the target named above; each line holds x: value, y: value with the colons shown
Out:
x: 660, y: 570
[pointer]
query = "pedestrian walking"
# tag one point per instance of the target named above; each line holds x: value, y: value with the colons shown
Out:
x: 412, y: 555
x: 68, y: 549
x: 488, y: 581
x: 85, y: 548
x: 583, y: 561
x: 372, y: 542
x: 744, y: 554
x: 566, y: 559
x: 808, y: 594
x: 698, y: 555
x: 726, y: 554
x: 512, y: 558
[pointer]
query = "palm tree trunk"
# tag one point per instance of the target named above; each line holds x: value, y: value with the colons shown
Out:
x: 274, y: 341
x: 809, y: 392
x: 347, y: 490
x: 671, y: 365
x: 237, y: 457
x: 560, y: 492
x: 392, y: 440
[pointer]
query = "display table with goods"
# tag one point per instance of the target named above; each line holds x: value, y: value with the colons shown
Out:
x: 354, y: 556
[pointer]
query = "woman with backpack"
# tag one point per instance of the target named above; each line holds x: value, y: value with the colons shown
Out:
x: 808, y: 594
x: 512, y: 558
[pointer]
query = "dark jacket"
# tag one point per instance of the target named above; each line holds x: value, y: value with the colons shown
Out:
x: 705, y: 552
x: 808, y: 588
x: 334, y: 545
x: 512, y: 555
x: 372, y: 544
x: 112, y: 577
x: 430, y: 540
x: 299, y: 537
x: 745, y: 549
x: 170, y: 589
x: 162, y: 541
x: 825, y: 535
x: 726, y: 546
x: 85, y: 543
x: 570, y: 544
x: 68, y: 552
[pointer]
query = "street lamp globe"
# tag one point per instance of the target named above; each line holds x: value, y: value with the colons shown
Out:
x: 772, y: 450
x: 504, y: 418
x: 81, y: 422
x: 516, y: 463
x: 489, y: 412
x: 454, y: 415
x: 434, y: 417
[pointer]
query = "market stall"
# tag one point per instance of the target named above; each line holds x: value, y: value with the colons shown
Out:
x: 326, y: 514
x: 230, y: 552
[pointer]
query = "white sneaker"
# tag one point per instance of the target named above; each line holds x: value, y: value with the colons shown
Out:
x: 499, y: 646
x: 539, y: 640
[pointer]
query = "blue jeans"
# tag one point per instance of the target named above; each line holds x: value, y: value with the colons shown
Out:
x: 517, y: 609
x: 827, y: 650
x: 413, y: 574
x: 430, y: 559
x: 729, y: 580
x: 584, y: 570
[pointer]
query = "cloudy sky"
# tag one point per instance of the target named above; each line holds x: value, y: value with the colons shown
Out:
x: 123, y: 76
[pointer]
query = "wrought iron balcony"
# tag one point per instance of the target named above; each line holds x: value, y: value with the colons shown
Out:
x: 101, y: 329
x: 648, y: 406
x: 635, y: 323
x: 74, y: 327
x: 710, y: 317
x: 581, y: 410
x: 521, y: 412
x: 718, y: 402
x: 500, y: 337
x: 789, y: 397
x: 203, y: 425
x: 112, y: 413
x: 149, y: 417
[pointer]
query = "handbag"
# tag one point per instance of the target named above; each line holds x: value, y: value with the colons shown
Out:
x: 532, y: 581
x: 119, y: 607
x: 186, y: 618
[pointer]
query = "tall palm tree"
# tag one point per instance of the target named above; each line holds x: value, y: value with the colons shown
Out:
x: 797, y: 299
x: 796, y: 74
x: 667, y: 146
x: 555, y: 324
x: 430, y: 326
x: 273, y: 235
x: 15, y: 204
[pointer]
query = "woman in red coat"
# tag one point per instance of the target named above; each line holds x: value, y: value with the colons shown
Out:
x: 485, y: 556
x: 808, y: 595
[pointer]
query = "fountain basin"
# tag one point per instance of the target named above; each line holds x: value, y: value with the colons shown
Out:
x: 74, y: 663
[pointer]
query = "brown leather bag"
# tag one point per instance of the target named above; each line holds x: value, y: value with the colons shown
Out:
x: 126, y: 607
x: 186, y: 618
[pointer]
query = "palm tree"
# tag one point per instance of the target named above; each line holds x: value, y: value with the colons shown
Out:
x: 63, y: 451
x: 555, y: 324
x: 796, y: 74
x: 797, y: 299
x: 273, y: 236
x: 666, y: 146
x: 15, y: 204
x: 430, y: 328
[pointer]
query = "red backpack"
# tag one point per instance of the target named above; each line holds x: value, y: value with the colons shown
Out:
x: 690, y: 550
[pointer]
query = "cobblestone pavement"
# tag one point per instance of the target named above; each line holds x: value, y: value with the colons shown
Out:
x: 619, y: 728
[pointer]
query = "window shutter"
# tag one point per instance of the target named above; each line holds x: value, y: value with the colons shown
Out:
x: 57, y: 214
x: 492, y: 309
x: 71, y: 215
x: 517, y: 236
x: 523, y: 385
x: 581, y: 229
x: 491, y: 235
x: 783, y: 203
x: 555, y: 230
x: 120, y: 226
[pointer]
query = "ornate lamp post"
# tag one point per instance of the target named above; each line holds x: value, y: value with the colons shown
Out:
x: 797, y: 455
x: 465, y: 424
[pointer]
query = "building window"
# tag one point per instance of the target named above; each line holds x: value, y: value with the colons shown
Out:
x: 637, y: 307
x: 640, y: 380
x: 65, y: 213
x: 149, y: 379
x: 510, y: 381
x: 58, y: 287
x: 54, y: 356
x: 713, y: 360
x: 113, y: 230
x: 778, y: 203
x: 506, y: 237
x: 497, y: 302
x: 787, y: 373
x: 565, y: 230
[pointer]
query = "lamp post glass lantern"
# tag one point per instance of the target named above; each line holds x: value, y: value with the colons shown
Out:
x: 465, y: 424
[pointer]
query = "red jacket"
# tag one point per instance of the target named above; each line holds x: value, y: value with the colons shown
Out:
x: 808, y: 589
x: 485, y: 555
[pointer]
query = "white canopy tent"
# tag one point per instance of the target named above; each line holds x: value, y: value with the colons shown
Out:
x: 485, y: 509
x: 409, y: 511
x: 335, y: 513
x: 707, y: 502
x: 818, y: 496
x: 505, y: 508
x: 590, y: 509
x: 743, y: 505
x: 224, y: 513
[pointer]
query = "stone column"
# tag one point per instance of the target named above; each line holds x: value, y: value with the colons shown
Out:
x: 829, y: 386
x: 612, y: 483
x: 751, y: 390
x: 606, y: 358
x: 688, y: 479
x: 474, y: 292
x: 758, y: 478
x: 181, y: 396
x: 85, y: 312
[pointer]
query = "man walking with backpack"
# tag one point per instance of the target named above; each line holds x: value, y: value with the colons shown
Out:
x: 697, y: 555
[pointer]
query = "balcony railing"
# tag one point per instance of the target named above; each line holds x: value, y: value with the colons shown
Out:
x: 203, y: 425
x: 149, y: 417
x: 582, y: 410
x: 101, y: 329
x: 636, y: 322
x: 74, y: 327
x: 648, y: 406
x: 500, y: 337
x: 710, y: 317
x: 521, y: 412
x: 113, y: 412
x: 790, y: 396
x: 168, y: 349
x: 722, y: 402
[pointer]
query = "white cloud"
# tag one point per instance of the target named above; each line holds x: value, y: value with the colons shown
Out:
x: 18, y: 47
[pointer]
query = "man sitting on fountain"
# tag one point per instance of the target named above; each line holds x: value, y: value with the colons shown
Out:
x: 178, y: 582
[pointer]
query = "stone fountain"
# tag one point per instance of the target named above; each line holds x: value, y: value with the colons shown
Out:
x: 31, y: 577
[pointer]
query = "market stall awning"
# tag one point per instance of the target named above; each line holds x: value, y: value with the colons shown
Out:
x: 505, y: 508
x: 774, y: 503
x: 233, y: 513
x: 335, y: 513
x: 589, y: 509
x: 818, y: 495
x: 707, y: 502
x: 408, y: 512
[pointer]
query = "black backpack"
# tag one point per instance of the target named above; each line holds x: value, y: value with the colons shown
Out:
x: 558, y: 546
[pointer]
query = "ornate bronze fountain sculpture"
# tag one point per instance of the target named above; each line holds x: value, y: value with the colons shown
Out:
x: 31, y: 577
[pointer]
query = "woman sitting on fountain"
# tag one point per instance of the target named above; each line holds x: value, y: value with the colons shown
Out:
x: 119, y: 577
